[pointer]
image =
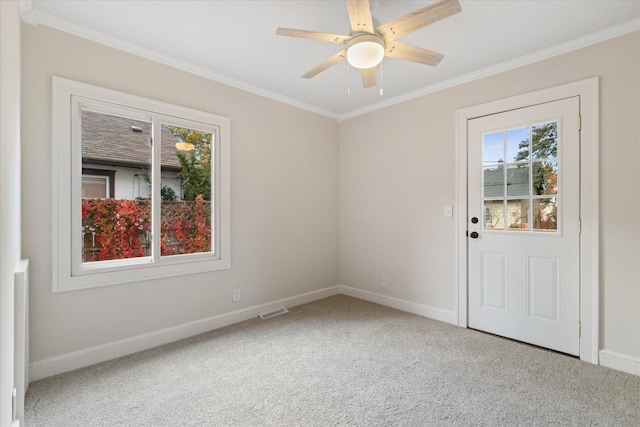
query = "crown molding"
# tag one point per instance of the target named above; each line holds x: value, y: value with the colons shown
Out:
x: 575, y: 44
x: 37, y: 17
x: 28, y: 14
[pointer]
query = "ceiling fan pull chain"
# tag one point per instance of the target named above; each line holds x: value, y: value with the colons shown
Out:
x: 348, y: 88
x: 381, y: 89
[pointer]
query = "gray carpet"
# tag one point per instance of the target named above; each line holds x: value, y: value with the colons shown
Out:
x: 339, y: 361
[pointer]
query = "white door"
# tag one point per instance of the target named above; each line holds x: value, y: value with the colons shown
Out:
x: 524, y: 211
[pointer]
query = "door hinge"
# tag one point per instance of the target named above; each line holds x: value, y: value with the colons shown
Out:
x: 580, y: 226
x: 579, y: 329
x: 579, y: 122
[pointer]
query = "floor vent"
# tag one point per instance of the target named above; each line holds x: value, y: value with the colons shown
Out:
x: 274, y: 313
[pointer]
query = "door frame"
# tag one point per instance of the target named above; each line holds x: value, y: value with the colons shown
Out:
x: 587, y: 91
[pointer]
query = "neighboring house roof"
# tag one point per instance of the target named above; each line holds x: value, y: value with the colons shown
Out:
x: 517, y: 182
x: 110, y: 140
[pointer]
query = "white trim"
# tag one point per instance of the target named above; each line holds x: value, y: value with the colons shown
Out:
x: 89, y: 356
x: 28, y: 14
x: 400, y: 304
x: 34, y: 16
x: 579, y: 43
x: 620, y: 362
x: 587, y: 90
x: 21, y: 335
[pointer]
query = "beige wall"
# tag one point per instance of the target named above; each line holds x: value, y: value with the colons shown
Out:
x: 397, y: 171
x: 284, y: 213
x: 305, y: 188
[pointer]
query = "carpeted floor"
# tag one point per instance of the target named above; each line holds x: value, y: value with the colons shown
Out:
x: 339, y: 361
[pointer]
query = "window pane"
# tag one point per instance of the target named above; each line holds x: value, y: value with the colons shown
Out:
x: 493, y: 148
x: 518, y: 144
x: 518, y: 215
x: 116, y: 228
x: 544, y: 141
x: 518, y: 180
x: 545, y: 215
x: 185, y: 189
x: 94, y: 187
x: 493, y: 181
x: 493, y: 215
x: 545, y: 178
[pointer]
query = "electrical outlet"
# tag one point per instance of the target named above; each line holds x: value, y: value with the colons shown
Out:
x: 236, y: 295
x: 384, y: 282
x: 448, y: 211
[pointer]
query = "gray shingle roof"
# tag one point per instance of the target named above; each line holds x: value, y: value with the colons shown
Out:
x: 110, y: 140
x: 517, y: 181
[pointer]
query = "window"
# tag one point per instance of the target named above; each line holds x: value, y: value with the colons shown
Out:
x: 148, y: 191
x: 98, y: 183
x: 94, y: 187
x: 520, y: 179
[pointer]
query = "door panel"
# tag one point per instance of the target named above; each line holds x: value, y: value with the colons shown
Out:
x: 524, y: 259
x: 494, y: 283
x: 543, y: 288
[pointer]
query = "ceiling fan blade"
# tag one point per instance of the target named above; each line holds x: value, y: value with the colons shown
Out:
x: 304, y: 34
x: 398, y: 50
x: 326, y: 64
x: 360, y: 16
x: 369, y: 77
x: 418, y: 19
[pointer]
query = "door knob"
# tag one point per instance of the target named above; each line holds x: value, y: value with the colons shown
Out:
x: 473, y: 234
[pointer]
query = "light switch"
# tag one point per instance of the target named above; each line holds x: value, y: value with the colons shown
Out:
x: 448, y: 211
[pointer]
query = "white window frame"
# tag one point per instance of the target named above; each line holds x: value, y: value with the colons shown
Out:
x: 68, y: 272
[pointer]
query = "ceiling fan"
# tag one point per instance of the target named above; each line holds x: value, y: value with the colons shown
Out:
x: 367, y: 46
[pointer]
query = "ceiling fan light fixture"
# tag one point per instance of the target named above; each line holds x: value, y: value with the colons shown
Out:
x: 365, y: 51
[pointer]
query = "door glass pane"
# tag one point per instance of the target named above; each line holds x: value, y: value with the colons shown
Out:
x: 545, y: 215
x: 493, y: 215
x: 518, y: 180
x: 493, y: 181
x: 116, y: 228
x: 518, y: 144
x: 545, y: 178
x: 544, y: 141
x: 185, y: 190
x: 493, y: 148
x: 518, y: 215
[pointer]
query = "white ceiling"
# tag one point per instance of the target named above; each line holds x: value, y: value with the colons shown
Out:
x: 234, y: 42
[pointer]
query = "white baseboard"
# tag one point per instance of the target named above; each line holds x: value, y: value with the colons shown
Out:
x: 400, y: 304
x: 620, y: 362
x: 79, y: 359
x: 90, y: 356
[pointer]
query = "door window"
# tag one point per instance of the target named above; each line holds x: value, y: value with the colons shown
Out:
x: 520, y: 179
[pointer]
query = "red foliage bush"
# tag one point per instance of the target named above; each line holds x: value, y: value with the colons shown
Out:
x: 119, y: 229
